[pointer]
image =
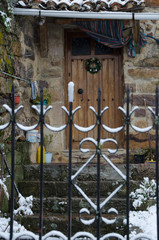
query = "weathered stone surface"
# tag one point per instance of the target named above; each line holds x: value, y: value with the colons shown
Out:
x: 20, y: 69
x: 152, y: 3
x: 140, y: 113
x: 149, y: 27
x: 1, y: 38
x: 16, y: 48
x: 142, y: 123
x: 43, y: 32
x: 58, y: 94
x: 26, y: 93
x: 132, y: 87
x: 29, y: 54
x: 28, y: 40
x: 140, y: 99
x: 43, y: 84
x: 33, y: 152
x: 152, y: 62
x: 56, y: 62
x: 142, y: 170
x: 146, y: 87
x: 157, y: 33
x: 30, y: 71
x: 141, y: 141
x: 144, y: 73
x: 55, y: 72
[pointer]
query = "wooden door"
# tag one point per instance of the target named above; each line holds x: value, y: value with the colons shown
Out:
x: 80, y: 48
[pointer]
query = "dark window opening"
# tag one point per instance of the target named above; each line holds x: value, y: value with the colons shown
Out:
x: 81, y: 46
x: 102, y: 49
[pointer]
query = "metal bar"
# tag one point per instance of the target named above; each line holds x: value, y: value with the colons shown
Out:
x: 85, y: 15
x: 70, y: 174
x: 9, y: 75
x: 127, y: 161
x: 72, y: 14
x: 41, y: 165
x: 98, y: 213
x: 12, y: 166
x: 157, y: 199
x: 1, y: 175
x: 6, y: 164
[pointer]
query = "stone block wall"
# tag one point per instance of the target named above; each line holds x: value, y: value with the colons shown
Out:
x: 142, y: 75
x: 48, y: 71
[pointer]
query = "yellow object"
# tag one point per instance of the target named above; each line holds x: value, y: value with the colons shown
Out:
x: 39, y: 154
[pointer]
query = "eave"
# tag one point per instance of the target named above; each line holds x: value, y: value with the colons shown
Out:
x: 86, y: 15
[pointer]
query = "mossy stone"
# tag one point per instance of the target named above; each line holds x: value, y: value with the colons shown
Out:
x: 1, y: 38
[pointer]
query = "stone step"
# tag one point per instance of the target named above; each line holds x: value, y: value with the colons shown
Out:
x: 59, y: 172
x: 60, y: 205
x: 59, y: 222
x: 79, y: 157
x: 60, y: 189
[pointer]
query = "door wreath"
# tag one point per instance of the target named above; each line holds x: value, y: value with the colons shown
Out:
x: 93, y: 65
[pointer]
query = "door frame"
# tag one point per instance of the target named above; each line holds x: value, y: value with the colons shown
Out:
x: 67, y: 51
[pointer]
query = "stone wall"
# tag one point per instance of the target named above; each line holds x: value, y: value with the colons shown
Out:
x: 142, y: 75
x: 48, y: 71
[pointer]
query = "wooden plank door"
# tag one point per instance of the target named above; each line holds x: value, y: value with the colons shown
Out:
x: 86, y: 84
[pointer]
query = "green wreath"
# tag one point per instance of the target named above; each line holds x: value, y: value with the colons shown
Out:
x: 93, y: 65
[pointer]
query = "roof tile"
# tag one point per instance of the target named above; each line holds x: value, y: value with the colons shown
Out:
x: 83, y: 5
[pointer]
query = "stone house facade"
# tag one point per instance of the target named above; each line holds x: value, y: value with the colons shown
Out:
x: 43, y: 53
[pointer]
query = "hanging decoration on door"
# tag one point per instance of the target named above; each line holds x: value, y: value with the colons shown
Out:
x: 93, y: 65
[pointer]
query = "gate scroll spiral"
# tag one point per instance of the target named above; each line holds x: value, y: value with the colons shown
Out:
x: 98, y: 144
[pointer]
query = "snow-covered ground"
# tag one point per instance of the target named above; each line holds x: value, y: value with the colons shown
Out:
x: 144, y: 220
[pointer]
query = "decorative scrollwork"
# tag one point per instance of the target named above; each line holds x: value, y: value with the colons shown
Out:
x: 56, y: 129
x: 87, y: 140
x: 84, y: 129
x: 25, y: 235
x: 108, y: 129
x: 137, y: 129
x: 54, y: 234
x: 86, y: 222
x: 108, y: 221
x: 141, y: 236
x: 82, y: 235
x: 114, y: 235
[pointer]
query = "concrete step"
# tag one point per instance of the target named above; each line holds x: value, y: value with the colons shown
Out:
x: 79, y: 157
x: 59, y: 172
x: 60, y: 205
x: 60, y: 189
x: 60, y: 223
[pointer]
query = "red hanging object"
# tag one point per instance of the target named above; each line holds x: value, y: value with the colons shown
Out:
x: 17, y: 99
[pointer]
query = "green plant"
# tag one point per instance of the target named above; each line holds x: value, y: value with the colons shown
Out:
x: 46, y: 97
x: 48, y: 139
x: 150, y: 154
x: 147, y: 191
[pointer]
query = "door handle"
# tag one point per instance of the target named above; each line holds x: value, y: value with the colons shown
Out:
x: 80, y: 91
